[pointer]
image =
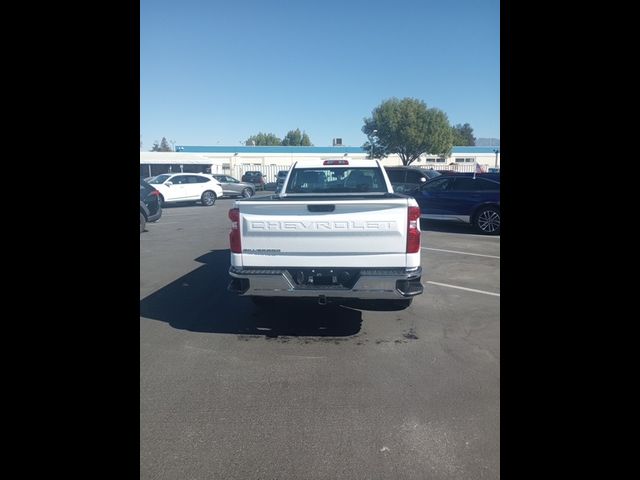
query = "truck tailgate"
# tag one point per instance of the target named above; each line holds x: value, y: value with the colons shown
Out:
x: 349, y: 233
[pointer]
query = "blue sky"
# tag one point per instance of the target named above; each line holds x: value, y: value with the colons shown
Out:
x: 215, y: 72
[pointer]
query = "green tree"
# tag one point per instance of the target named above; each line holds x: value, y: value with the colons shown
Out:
x: 293, y: 137
x: 268, y: 139
x: 463, y: 136
x: 296, y: 138
x: 408, y: 128
x: 164, y: 145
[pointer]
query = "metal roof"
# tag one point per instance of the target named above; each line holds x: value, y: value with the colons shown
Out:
x: 474, y: 150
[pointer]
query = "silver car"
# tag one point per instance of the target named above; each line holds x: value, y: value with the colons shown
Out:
x: 232, y: 187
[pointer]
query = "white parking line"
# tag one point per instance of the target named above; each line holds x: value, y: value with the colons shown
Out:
x: 463, y: 253
x: 464, y: 288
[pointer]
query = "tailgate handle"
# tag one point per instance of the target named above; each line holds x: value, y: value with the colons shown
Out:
x: 321, y: 208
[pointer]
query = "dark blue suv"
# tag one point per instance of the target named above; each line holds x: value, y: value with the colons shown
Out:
x: 462, y: 198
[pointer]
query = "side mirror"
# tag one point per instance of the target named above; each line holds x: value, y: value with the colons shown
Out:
x: 168, y: 184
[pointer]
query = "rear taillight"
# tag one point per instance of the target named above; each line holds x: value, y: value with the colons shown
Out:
x: 234, y: 236
x: 155, y: 193
x: 413, y: 230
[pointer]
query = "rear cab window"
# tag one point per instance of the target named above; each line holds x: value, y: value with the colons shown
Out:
x: 332, y: 180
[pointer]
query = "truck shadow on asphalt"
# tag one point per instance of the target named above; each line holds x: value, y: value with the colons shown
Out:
x: 199, y: 302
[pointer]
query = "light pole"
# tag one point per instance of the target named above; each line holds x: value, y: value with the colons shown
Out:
x: 496, y: 151
x: 173, y: 144
x: 371, y: 141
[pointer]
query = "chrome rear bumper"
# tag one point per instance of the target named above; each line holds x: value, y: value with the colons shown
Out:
x: 374, y: 283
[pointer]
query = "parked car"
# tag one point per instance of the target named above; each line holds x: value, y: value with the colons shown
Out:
x: 280, y: 178
x: 187, y: 187
x: 462, y: 198
x: 232, y: 187
x: 254, y: 177
x: 408, y: 179
x: 150, y: 207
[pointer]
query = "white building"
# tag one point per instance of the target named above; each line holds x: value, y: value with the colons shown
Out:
x: 235, y: 161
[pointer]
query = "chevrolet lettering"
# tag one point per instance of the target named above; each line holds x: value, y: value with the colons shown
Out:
x: 302, y: 226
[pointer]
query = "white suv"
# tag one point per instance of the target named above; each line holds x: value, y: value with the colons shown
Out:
x: 187, y: 187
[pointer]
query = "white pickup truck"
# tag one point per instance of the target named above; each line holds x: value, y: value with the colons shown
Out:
x: 336, y: 230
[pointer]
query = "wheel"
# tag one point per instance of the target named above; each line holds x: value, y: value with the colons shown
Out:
x: 246, y: 193
x: 487, y: 221
x: 143, y: 222
x: 208, y: 198
x: 161, y: 200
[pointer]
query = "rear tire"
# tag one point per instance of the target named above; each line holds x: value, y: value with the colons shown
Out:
x: 487, y: 221
x: 208, y: 198
x: 247, y: 192
x: 143, y: 222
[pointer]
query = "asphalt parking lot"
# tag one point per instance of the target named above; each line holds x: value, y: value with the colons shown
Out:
x: 302, y: 391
